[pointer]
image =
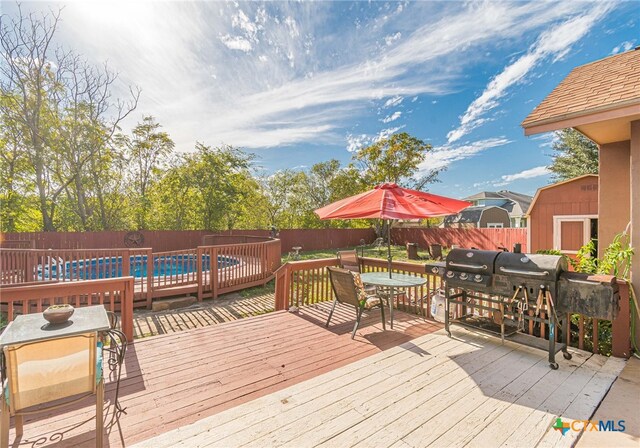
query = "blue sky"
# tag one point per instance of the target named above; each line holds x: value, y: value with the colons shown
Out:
x: 298, y: 83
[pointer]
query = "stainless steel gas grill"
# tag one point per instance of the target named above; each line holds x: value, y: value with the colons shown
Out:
x: 506, y: 293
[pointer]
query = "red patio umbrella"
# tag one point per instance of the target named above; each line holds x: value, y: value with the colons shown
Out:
x: 389, y: 201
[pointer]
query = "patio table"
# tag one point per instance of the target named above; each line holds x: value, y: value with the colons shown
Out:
x: 396, y: 281
x: 34, y: 327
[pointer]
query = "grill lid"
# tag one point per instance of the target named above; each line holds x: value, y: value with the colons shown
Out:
x: 472, y: 261
x: 532, y: 266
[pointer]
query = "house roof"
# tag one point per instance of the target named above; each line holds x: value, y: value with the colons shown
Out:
x: 609, y: 83
x: 468, y: 215
x: 516, y: 204
x: 483, y: 195
x: 535, y: 198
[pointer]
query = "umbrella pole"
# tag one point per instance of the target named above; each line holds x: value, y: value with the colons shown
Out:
x: 389, y: 246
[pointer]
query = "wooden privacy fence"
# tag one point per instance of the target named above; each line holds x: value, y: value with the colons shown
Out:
x: 486, y: 239
x: 170, y: 240
x: 205, y: 270
x: 302, y: 283
x: 116, y: 294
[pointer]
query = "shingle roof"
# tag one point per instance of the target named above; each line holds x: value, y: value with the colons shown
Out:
x: 515, y: 203
x: 523, y: 200
x: 483, y: 195
x: 468, y: 215
x: 601, y: 85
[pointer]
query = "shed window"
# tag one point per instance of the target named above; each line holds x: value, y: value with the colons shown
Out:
x: 570, y: 233
x: 495, y: 225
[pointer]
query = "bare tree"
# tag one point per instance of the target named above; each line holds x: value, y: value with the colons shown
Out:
x: 62, y: 102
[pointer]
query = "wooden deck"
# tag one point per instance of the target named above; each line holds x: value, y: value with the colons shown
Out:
x: 226, y: 308
x: 177, y: 379
x: 433, y: 391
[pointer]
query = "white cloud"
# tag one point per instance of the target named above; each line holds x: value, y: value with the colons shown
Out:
x: 547, y: 139
x: 236, y: 43
x: 393, y: 117
x: 552, y: 44
x: 355, y: 142
x: 624, y: 46
x: 443, y: 156
x: 172, y: 49
x: 293, y: 27
x: 392, y: 102
x: 391, y: 38
x: 538, y: 171
x: 386, y: 133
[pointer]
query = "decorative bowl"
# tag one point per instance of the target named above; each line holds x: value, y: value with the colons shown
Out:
x: 58, y: 314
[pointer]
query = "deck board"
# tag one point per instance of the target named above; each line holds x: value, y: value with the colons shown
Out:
x: 173, y: 380
x: 469, y: 390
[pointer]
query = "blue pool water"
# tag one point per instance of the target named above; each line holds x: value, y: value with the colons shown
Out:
x: 109, y: 267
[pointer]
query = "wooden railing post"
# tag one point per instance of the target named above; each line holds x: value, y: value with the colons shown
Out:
x: 621, y: 326
x: 282, y: 276
x: 149, y: 277
x: 29, y: 266
x: 126, y: 263
x: 126, y: 309
x: 213, y: 269
x: 199, y: 274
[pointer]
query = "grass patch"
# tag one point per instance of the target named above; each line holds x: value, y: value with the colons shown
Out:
x: 256, y: 291
x: 399, y: 253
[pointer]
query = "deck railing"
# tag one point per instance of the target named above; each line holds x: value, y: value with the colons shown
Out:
x: 301, y: 283
x: 239, y: 266
x: 116, y: 294
x: 205, y: 270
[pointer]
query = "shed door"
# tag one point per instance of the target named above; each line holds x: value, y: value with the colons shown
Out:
x: 570, y: 233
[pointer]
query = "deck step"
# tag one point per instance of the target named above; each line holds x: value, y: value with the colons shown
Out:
x: 173, y: 303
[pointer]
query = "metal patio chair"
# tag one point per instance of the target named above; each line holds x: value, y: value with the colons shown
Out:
x: 349, y: 260
x: 435, y: 251
x: 116, y: 348
x: 348, y: 290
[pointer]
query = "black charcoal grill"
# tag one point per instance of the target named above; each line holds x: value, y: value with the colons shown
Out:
x: 512, y: 290
x: 532, y: 272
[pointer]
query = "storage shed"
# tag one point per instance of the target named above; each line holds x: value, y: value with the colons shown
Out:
x: 479, y: 217
x: 564, y: 216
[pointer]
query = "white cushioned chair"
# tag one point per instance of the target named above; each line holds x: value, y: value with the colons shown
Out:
x: 42, y: 372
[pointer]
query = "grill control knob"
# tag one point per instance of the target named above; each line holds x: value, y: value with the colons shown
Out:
x: 434, y: 270
x: 450, y: 274
x: 463, y: 276
x: 478, y: 278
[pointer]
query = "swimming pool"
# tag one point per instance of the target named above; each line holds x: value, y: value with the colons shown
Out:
x: 110, y: 267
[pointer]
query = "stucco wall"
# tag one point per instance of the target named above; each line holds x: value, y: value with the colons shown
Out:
x: 614, y: 192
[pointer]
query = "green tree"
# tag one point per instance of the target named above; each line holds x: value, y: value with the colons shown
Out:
x: 282, y: 192
x: 395, y: 159
x: 147, y: 150
x: 573, y: 155
x: 64, y: 111
x: 220, y: 176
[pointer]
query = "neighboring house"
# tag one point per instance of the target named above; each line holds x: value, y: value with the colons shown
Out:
x: 479, y: 216
x: 564, y: 216
x: 516, y: 204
